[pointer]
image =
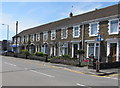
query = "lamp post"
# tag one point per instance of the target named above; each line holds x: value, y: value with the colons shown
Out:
x: 7, y: 34
x: 16, y: 37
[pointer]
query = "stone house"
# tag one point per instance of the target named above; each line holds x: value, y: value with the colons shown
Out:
x: 94, y: 31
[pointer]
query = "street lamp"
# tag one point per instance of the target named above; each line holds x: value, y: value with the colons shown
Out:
x: 7, y: 34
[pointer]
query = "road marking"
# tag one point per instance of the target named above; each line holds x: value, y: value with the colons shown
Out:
x: 78, y: 72
x: 112, y: 78
x: 78, y: 84
x: 26, y: 68
x: 42, y: 73
x: 114, y: 75
x: 9, y: 64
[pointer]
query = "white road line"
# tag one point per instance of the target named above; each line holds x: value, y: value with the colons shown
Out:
x: 112, y: 78
x: 42, y: 74
x: 26, y: 68
x: 92, y: 73
x: 78, y: 84
x: 9, y: 64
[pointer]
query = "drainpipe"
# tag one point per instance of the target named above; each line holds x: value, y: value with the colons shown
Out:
x: 82, y: 41
x: 83, y: 37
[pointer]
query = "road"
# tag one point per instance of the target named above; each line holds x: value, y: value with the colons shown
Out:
x: 22, y: 72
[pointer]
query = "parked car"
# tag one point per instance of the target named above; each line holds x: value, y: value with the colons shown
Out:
x: 5, y: 52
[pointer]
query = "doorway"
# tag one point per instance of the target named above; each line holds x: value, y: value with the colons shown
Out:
x: 113, y: 51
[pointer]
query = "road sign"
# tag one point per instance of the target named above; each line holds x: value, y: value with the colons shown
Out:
x: 99, y: 38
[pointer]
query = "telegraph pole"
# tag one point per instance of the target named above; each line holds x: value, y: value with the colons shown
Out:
x: 16, y: 36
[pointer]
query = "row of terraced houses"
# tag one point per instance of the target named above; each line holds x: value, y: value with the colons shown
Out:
x: 77, y: 32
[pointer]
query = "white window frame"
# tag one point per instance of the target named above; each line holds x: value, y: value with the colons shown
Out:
x: 93, y: 47
x: 37, y: 36
x: 14, y: 40
x: 53, y: 32
x: 45, y: 33
x: 18, y: 39
x: 27, y: 38
x: 64, y: 46
x: 117, y: 50
x: 78, y: 31
x: 109, y: 27
x: 90, y: 29
x: 66, y: 30
x: 32, y: 37
x: 22, y: 40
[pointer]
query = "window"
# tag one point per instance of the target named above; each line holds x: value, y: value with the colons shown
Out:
x: 18, y: 40
x: 113, y: 26
x: 65, y: 49
x: 32, y: 37
x: 27, y: 37
x: 22, y: 39
x: 76, y: 31
x: 45, y: 36
x: 93, y: 49
x: 93, y: 29
x: 53, y: 35
x: 37, y: 36
x: 14, y: 40
x: 64, y: 33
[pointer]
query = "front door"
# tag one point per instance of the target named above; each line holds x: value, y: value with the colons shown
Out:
x: 75, y: 49
x: 113, y: 51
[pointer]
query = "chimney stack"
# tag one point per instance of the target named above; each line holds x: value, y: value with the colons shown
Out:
x: 71, y: 14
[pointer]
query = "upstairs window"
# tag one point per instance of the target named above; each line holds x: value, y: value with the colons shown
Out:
x: 37, y: 36
x: 32, y: 37
x: 76, y: 32
x: 45, y: 36
x: 18, y: 39
x: 14, y: 40
x: 64, y: 33
x: 26, y: 38
x: 93, y: 29
x: 53, y: 35
x: 113, y: 26
x: 22, y: 39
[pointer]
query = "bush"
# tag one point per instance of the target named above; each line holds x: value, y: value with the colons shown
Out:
x: 39, y: 54
x: 25, y: 52
x: 80, y: 52
x: 44, y: 54
x: 58, y: 57
x: 65, y: 56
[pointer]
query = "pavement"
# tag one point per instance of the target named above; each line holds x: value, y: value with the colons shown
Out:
x: 85, y: 70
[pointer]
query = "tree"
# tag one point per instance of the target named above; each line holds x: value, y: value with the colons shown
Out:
x: 80, y: 53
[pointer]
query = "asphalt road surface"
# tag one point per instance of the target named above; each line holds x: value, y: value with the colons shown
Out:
x: 22, y: 72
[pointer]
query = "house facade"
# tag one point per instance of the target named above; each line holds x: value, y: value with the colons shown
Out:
x: 96, y: 32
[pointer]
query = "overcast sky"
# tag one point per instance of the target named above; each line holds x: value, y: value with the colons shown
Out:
x: 31, y: 14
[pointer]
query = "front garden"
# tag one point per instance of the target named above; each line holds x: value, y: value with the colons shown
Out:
x: 64, y: 59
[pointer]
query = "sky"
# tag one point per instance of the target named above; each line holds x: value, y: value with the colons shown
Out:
x: 31, y: 14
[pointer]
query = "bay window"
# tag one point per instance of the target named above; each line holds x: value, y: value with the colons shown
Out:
x: 93, y: 49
